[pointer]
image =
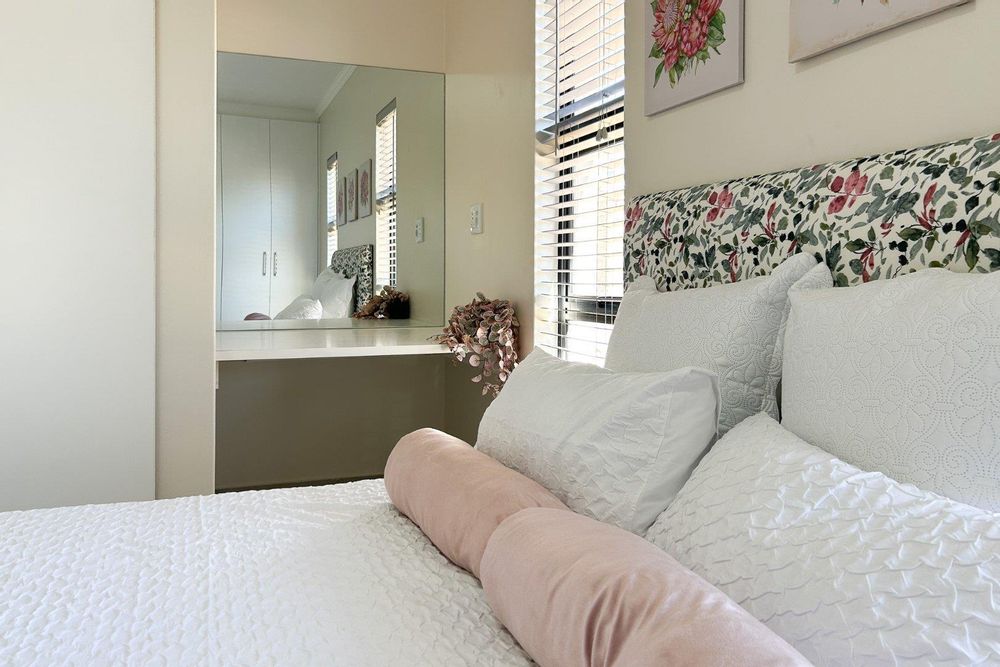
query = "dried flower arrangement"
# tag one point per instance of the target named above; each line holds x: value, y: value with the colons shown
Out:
x: 484, y: 334
x: 389, y: 304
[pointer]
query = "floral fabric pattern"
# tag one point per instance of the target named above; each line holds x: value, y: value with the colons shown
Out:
x: 868, y: 219
x: 357, y: 261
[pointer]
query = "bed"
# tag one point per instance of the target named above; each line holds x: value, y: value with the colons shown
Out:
x: 307, y: 576
x: 336, y: 575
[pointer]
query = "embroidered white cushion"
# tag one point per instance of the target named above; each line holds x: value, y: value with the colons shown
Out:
x: 335, y: 292
x: 849, y: 567
x: 731, y: 330
x: 902, y: 376
x: 303, y: 307
x: 614, y: 446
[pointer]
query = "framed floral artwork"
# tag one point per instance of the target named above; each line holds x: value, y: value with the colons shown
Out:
x: 818, y: 26
x: 351, y: 199
x: 695, y: 48
x: 341, y: 190
x: 365, y: 189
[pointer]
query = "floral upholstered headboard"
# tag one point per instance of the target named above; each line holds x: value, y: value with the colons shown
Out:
x: 868, y: 218
x: 357, y: 261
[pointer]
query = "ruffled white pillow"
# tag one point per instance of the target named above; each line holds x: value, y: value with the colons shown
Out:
x: 850, y: 567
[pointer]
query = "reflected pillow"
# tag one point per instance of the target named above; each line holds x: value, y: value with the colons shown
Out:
x: 732, y: 330
x: 335, y: 292
x: 614, y: 446
x: 304, y: 307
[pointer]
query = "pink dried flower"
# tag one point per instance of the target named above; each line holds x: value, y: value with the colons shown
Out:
x: 484, y: 334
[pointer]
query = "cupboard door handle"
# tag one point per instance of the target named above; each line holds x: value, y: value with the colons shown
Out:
x: 274, y: 264
x: 263, y: 265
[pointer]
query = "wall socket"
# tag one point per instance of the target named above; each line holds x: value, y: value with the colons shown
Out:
x: 418, y: 230
x: 476, y: 219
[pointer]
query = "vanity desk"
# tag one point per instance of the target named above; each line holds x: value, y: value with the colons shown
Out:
x: 331, y: 185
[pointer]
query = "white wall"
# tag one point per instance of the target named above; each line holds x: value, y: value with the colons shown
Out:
x: 347, y: 127
x: 933, y: 80
x: 77, y: 290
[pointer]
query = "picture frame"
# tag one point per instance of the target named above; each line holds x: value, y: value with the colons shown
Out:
x: 341, y: 205
x: 351, y: 198
x: 819, y: 26
x: 365, y: 189
x: 694, y: 48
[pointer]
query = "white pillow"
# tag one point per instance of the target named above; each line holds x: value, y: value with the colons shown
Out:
x: 613, y: 446
x: 731, y: 330
x: 303, y: 307
x: 849, y: 567
x: 335, y: 292
x: 902, y: 376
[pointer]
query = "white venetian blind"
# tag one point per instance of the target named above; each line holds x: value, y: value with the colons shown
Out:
x: 579, y: 174
x: 385, y: 196
x: 332, y: 177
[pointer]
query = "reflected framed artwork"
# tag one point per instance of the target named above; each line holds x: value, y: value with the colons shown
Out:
x: 351, y: 200
x: 818, y: 26
x: 365, y: 189
x: 694, y: 49
x: 341, y: 190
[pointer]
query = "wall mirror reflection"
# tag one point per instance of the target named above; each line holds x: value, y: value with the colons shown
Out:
x: 330, y: 188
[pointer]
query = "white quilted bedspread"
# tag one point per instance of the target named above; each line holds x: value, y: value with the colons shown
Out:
x: 328, y: 575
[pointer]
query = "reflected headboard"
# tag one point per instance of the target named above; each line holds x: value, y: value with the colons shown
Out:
x: 357, y: 261
x: 868, y: 218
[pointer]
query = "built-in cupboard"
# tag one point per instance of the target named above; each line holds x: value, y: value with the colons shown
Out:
x: 268, y: 214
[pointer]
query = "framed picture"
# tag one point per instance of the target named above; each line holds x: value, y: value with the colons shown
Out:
x: 817, y: 26
x: 365, y: 189
x: 351, y: 200
x: 694, y: 48
x: 341, y: 190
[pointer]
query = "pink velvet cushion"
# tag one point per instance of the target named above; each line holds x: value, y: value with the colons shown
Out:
x: 456, y: 494
x: 574, y: 591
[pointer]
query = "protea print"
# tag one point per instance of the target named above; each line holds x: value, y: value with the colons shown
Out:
x: 685, y: 33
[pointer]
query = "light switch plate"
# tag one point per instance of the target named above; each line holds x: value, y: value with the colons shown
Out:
x: 419, y: 230
x: 476, y: 219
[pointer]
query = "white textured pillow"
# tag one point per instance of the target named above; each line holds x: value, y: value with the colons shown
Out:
x: 732, y: 330
x: 849, y: 567
x: 614, y: 446
x: 902, y: 376
x: 303, y: 307
x: 335, y: 292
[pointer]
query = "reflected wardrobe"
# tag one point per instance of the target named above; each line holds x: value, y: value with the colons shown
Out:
x: 268, y: 212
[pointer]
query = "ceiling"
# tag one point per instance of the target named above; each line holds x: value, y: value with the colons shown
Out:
x: 279, y: 82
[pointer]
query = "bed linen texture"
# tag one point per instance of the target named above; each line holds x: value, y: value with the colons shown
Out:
x: 329, y: 575
x: 850, y: 567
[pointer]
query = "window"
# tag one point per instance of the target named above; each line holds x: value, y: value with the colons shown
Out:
x: 579, y: 175
x: 385, y: 195
x: 332, y: 202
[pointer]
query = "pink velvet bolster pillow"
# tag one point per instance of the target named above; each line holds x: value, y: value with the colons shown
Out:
x: 575, y: 592
x: 456, y: 494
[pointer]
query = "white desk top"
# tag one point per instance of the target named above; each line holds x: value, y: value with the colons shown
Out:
x: 319, y: 343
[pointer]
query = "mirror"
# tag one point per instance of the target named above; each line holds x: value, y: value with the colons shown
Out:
x: 330, y: 186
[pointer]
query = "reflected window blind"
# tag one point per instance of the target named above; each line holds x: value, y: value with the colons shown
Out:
x: 579, y: 174
x: 332, y: 177
x: 385, y: 197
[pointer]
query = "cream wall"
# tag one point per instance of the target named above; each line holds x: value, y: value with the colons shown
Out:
x: 388, y: 33
x: 77, y: 329
x: 490, y: 65
x: 929, y: 81
x: 347, y: 127
x: 185, y: 248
